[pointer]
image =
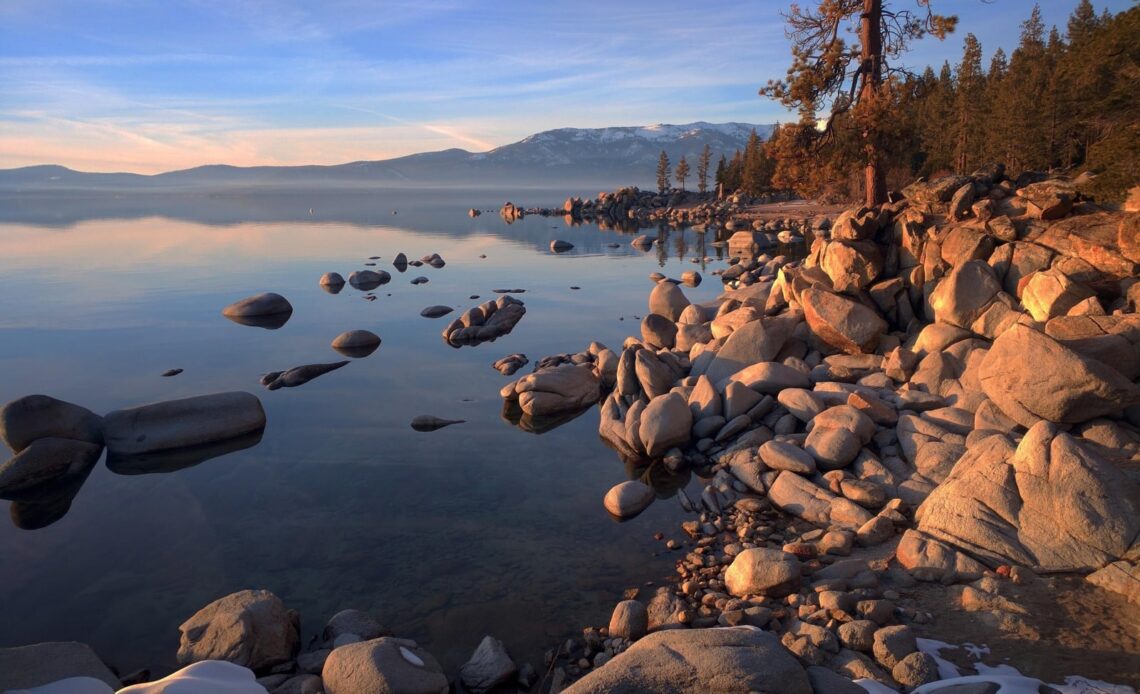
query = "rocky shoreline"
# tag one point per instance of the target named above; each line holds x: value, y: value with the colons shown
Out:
x: 941, y: 399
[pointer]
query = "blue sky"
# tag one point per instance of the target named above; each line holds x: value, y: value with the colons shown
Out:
x: 154, y: 85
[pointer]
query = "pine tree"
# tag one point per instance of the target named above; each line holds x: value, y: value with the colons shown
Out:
x: 969, y: 107
x: 663, y: 172
x: 681, y: 173
x: 825, y: 72
x: 752, y: 170
x: 996, y: 133
x: 703, y: 169
x: 721, y: 172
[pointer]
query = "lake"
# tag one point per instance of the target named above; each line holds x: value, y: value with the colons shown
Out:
x: 478, y: 528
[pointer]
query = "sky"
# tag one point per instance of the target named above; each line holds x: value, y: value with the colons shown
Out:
x: 155, y: 85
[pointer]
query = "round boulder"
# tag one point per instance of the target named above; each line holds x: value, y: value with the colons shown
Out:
x: 41, y: 416
x: 382, y: 665
x: 356, y: 343
x: 628, y: 499
x: 761, y: 570
x: 630, y: 620
x: 264, y: 304
x: 250, y: 628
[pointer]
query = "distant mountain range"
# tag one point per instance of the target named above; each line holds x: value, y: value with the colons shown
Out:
x: 598, y: 157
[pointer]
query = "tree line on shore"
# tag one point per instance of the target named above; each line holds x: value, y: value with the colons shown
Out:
x: 1062, y: 101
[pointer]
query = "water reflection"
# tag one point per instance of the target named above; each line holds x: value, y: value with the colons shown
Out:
x: 177, y: 459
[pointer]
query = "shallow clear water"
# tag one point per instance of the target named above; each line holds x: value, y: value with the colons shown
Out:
x: 449, y: 535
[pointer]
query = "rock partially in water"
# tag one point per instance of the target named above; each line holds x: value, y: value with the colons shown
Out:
x: 565, y: 388
x: 266, y: 310
x: 400, y: 262
x: 195, y: 421
x: 489, y: 666
x: 560, y: 246
x: 485, y: 322
x: 386, y: 664
x: 426, y: 422
x: 45, y: 461
x: 22, y: 667
x: 436, y: 311
x: 251, y: 628
x: 32, y: 417
x: 420, y: 280
x: 630, y: 620
x: 298, y: 375
x: 171, y: 372
x: 356, y: 343
x: 628, y: 499
x: 367, y: 280
x: 511, y: 363
x: 48, y: 502
x: 434, y: 260
x: 332, y: 282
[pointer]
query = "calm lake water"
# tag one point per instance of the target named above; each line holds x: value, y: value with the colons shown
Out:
x: 450, y: 535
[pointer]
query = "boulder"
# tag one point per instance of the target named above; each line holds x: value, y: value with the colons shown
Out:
x: 630, y: 620
x: 761, y: 570
x: 665, y: 423
x: 798, y: 496
x: 769, y: 377
x: 698, y: 661
x: 564, y: 388
x: 855, y: 225
x: 1111, y: 340
x: 1051, y: 199
x: 264, y: 304
x: 667, y: 300
x: 654, y: 376
x: 32, y: 417
x: 1049, y: 293
x: 560, y: 246
x: 779, y: 455
x: 963, y: 295
x: 1050, y: 504
x: 383, y: 666
x: 194, y: 421
x: 356, y: 343
x: 251, y: 628
x: 355, y: 622
x: 841, y: 322
x: 367, y: 280
x: 43, y: 462
x: 755, y: 341
x: 22, y: 667
x: 1030, y: 377
x: 851, y: 265
x: 928, y: 559
x: 627, y: 499
x: 658, y: 331
x: 436, y: 311
x: 331, y: 280
x: 489, y: 666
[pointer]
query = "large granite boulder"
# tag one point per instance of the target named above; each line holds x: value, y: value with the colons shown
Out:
x: 762, y: 571
x: 755, y: 341
x: 1051, y: 503
x: 564, y: 388
x: 667, y: 300
x: 627, y: 499
x: 22, y: 667
x: 194, y: 421
x: 699, y: 661
x: 1112, y: 340
x: 1049, y: 293
x: 264, y: 304
x: 383, y: 666
x: 963, y: 295
x: 851, y: 265
x: 41, y: 416
x: 251, y: 628
x: 840, y: 322
x: 666, y: 422
x: 797, y: 495
x: 1030, y: 377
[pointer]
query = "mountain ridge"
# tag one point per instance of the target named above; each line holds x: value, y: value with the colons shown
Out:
x: 617, y: 155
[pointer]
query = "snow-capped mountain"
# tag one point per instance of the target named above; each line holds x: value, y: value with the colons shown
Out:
x: 602, y: 157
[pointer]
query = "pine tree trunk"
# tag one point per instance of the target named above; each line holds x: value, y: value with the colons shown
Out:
x: 875, y: 185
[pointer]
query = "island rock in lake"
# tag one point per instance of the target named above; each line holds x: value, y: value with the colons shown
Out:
x: 265, y: 310
x: 172, y: 424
